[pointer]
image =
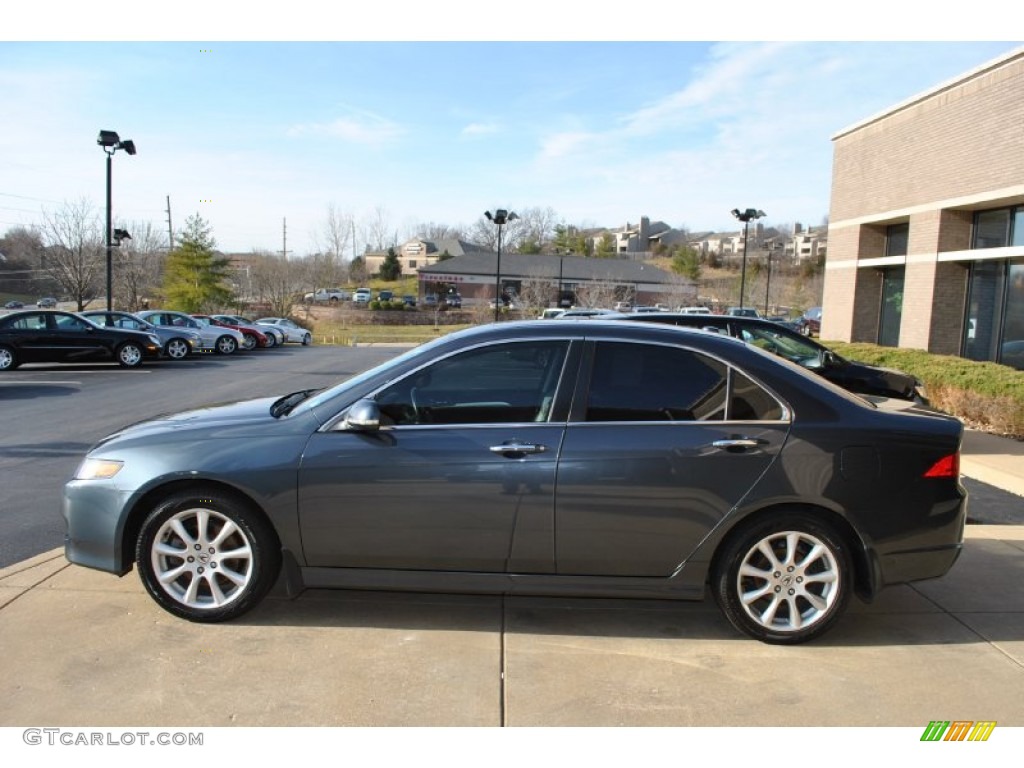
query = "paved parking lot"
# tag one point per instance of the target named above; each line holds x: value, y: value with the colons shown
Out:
x: 85, y: 648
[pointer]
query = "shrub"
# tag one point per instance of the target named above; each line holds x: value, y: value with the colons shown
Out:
x: 984, y: 395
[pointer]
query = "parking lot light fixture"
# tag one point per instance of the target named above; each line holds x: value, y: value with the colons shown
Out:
x: 110, y: 143
x: 500, y: 218
x: 745, y: 217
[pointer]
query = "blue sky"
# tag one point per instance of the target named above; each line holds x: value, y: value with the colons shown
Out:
x: 249, y: 133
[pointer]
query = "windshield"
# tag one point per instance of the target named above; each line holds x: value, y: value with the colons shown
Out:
x: 795, y: 348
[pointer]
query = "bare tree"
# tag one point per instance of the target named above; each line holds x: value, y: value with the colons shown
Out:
x: 536, y: 230
x: 377, y: 232
x: 74, y: 251
x: 434, y: 231
x: 597, y: 294
x: 275, y: 281
x: 538, y: 291
x: 329, y: 265
x: 21, y: 250
x: 138, y: 266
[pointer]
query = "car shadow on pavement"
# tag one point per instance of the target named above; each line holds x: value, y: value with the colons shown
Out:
x: 29, y: 390
x: 944, y: 611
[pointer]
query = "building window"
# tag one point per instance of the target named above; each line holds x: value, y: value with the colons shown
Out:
x: 995, y: 313
x: 896, y: 238
x: 412, y: 263
x: 999, y: 228
x: 891, y: 311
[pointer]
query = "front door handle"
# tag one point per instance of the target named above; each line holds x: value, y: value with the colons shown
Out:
x: 736, y: 443
x: 518, y: 448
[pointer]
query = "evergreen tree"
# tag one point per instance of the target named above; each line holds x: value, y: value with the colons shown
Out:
x: 391, y: 267
x: 195, y: 277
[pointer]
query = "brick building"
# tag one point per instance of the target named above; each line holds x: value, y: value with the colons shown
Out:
x: 926, y: 226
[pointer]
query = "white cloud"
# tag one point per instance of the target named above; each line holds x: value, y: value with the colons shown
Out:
x: 479, y: 129
x: 365, y: 129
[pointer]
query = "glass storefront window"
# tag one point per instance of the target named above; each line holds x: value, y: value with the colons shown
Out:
x: 995, y: 313
x: 892, y: 307
x: 992, y: 228
x: 896, y: 238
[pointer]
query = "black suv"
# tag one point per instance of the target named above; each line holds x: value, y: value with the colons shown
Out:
x: 856, y: 377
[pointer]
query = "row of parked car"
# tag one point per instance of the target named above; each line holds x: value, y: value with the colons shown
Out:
x: 56, y: 336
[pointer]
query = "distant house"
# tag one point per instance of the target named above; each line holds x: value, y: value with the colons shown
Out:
x: 417, y: 253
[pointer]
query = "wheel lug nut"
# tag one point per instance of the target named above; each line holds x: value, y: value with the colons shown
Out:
x: 213, y: 565
x: 790, y: 569
x: 777, y: 574
x: 191, y: 559
x: 213, y: 551
x: 198, y: 547
x: 792, y: 591
x: 778, y: 589
x: 200, y: 569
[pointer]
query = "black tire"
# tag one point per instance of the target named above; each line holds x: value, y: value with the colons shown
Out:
x: 803, y: 597
x: 307, y: 340
x: 130, y: 355
x: 8, y: 360
x: 271, y: 341
x: 177, y: 349
x: 236, y: 541
x: 226, y: 345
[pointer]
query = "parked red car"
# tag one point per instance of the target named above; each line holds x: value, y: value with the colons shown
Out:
x: 253, y: 336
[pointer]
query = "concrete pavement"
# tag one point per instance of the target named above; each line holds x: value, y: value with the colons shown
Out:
x: 85, y: 648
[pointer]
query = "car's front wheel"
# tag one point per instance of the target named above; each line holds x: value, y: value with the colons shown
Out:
x: 129, y: 355
x: 8, y: 362
x: 205, y: 556
x: 226, y: 345
x: 176, y: 349
x: 784, y: 579
x: 307, y: 340
x: 271, y: 341
x: 249, y: 342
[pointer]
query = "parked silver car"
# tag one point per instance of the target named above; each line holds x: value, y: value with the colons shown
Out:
x: 223, y: 341
x: 292, y: 330
x: 178, y: 343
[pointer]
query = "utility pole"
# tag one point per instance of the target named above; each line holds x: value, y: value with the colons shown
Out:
x: 284, y: 238
x: 170, y: 229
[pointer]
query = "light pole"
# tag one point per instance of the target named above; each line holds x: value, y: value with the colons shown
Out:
x: 111, y: 142
x: 501, y: 217
x: 768, y: 282
x: 745, y: 217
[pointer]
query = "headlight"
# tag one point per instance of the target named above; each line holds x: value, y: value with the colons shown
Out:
x: 98, y: 469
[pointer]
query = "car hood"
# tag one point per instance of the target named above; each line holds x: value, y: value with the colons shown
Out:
x: 238, y: 420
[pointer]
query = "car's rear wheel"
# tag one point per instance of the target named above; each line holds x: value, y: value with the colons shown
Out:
x: 784, y: 579
x: 226, y: 345
x: 206, y: 557
x: 129, y: 355
x: 176, y: 349
x: 8, y: 361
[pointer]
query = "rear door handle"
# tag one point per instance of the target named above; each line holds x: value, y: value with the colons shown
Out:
x: 737, y: 442
x: 518, y: 448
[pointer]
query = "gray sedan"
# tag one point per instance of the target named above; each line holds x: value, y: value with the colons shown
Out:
x: 598, y: 458
x: 178, y: 343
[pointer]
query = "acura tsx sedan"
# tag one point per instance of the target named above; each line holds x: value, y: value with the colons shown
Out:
x: 585, y: 459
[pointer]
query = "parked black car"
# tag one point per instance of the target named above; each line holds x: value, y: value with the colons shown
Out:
x: 593, y: 458
x: 51, y: 336
x: 857, y: 377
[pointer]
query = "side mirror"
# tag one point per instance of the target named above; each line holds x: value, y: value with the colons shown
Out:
x: 363, y: 416
x: 828, y: 358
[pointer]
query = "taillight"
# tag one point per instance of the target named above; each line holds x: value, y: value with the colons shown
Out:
x: 947, y: 466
